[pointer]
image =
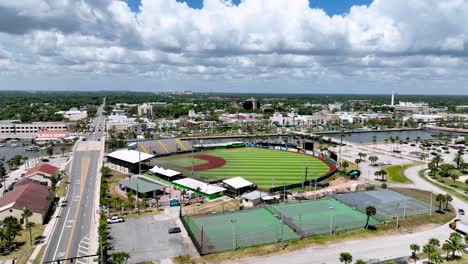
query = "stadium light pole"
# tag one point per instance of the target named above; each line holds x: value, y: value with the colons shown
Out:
x: 397, y: 215
x: 233, y: 222
x: 331, y: 218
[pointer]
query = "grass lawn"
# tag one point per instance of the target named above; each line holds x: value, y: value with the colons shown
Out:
x: 24, y: 251
x: 395, y: 173
x: 62, y: 188
x: 264, y: 167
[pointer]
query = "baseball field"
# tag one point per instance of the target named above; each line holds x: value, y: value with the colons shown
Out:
x: 264, y: 167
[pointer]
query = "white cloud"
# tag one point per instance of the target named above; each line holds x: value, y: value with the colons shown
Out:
x: 258, y: 39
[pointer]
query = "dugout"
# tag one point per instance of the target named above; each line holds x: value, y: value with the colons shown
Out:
x: 209, y: 191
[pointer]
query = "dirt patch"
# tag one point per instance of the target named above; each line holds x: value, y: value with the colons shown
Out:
x: 213, y: 163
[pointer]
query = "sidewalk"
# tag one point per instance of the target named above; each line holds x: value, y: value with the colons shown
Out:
x: 47, y: 232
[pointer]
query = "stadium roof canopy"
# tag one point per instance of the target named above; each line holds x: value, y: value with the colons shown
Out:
x: 195, y: 184
x: 130, y: 156
x: 142, y: 185
x: 238, y: 182
x: 164, y: 172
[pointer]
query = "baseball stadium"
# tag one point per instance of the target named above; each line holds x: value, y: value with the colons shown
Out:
x: 266, y: 167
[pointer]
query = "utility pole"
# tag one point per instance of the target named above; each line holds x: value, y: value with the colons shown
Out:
x: 397, y: 215
x: 233, y: 222
x: 430, y: 209
x: 331, y: 219
x: 193, y: 162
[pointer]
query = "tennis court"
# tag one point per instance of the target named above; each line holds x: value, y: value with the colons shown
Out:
x: 313, y: 218
x: 388, y: 203
x: 240, y: 229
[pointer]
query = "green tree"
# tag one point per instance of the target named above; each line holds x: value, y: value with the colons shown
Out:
x: 29, y: 226
x: 131, y: 199
x: 415, y: 248
x: 448, y: 199
x: 435, y: 258
x: 106, y: 171
x: 357, y: 161
x: 370, y: 211
x: 50, y: 151
x: 63, y: 150
x: 447, y: 248
x: 455, y: 242
x: 440, y: 198
x: 345, y: 165
x: 360, y: 261
x: 373, y: 159
x: 26, y: 214
x: 120, y: 257
x: 428, y: 249
x: 346, y: 257
x: 435, y: 242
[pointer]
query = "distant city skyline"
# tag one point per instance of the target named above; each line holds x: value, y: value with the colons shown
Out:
x: 259, y: 46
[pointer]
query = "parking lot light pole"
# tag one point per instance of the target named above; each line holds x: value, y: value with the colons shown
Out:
x: 233, y: 222
x: 331, y: 218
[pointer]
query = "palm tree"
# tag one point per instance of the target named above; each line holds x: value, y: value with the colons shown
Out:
x: 440, y: 198
x: 63, y: 150
x: 373, y: 159
x: 448, y: 198
x: 383, y: 173
x: 29, y: 226
x: 26, y: 214
x: 131, y: 198
x: 454, y: 177
x: 144, y: 196
x: 455, y: 241
x: 435, y: 258
x: 362, y: 155
x: 357, y: 161
x: 428, y: 249
x: 346, y: 257
x: 415, y: 248
x: 437, y: 160
x: 447, y: 248
x: 182, y: 194
x: 120, y: 257
x: 377, y: 174
x: 360, y: 261
x: 458, y: 159
x: 435, y: 242
x: 345, y: 165
x: 370, y: 211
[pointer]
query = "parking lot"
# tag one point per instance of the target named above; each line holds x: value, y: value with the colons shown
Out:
x: 147, y: 239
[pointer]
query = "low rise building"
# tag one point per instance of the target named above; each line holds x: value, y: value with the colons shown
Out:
x: 30, y: 130
x: 34, y: 196
x: 42, y: 174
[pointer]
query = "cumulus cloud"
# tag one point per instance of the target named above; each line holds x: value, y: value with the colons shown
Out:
x: 257, y: 39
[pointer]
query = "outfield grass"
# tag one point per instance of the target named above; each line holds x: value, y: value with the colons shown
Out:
x: 264, y: 167
x: 395, y: 173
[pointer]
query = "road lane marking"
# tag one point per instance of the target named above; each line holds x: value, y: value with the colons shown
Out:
x: 84, y: 164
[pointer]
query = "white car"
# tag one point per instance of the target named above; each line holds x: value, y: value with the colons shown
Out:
x: 115, y: 219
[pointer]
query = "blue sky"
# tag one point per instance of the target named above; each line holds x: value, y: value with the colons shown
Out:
x: 331, y: 7
x: 98, y: 45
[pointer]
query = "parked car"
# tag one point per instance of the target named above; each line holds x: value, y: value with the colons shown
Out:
x: 461, y: 212
x: 115, y: 219
x: 174, y: 230
x: 45, y: 160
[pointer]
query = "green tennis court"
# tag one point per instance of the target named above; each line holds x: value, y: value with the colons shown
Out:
x: 264, y: 167
x: 312, y: 218
x: 240, y: 229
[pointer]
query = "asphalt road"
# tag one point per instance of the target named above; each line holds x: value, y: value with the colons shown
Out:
x: 71, y: 236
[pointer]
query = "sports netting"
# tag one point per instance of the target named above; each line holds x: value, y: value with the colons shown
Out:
x: 240, y: 229
x: 313, y: 218
x: 389, y: 204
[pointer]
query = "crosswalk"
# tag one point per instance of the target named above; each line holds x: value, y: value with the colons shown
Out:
x: 83, y: 250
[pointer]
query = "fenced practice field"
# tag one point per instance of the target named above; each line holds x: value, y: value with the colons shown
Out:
x: 311, y: 218
x: 265, y: 168
x: 388, y: 203
x: 270, y: 224
x: 240, y: 229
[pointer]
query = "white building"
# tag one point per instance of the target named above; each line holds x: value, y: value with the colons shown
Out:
x: 145, y: 110
x: 74, y: 114
x: 335, y: 106
x: 30, y: 130
x: 412, y: 108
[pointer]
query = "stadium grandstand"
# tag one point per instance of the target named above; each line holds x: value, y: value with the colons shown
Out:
x: 161, y: 147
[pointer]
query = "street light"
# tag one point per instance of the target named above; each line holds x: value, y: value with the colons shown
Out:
x: 233, y: 222
x: 331, y: 218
